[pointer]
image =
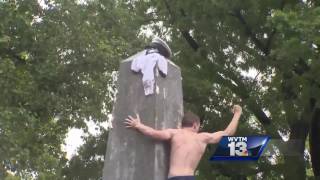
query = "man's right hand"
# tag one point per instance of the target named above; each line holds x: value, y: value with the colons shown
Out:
x: 132, y: 122
x: 237, y: 109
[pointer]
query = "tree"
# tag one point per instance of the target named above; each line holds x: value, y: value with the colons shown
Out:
x: 57, y: 61
x: 56, y: 64
x: 88, y: 164
x: 219, y: 40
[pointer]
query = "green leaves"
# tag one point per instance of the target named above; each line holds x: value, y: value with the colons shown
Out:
x: 57, y: 61
x: 56, y: 64
x: 88, y: 163
x: 218, y: 41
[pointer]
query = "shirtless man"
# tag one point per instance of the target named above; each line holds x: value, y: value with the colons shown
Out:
x: 187, y: 145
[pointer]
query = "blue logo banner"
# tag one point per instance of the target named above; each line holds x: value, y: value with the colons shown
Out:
x: 240, y: 148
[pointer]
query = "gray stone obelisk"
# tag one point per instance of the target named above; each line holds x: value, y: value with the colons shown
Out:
x: 131, y: 155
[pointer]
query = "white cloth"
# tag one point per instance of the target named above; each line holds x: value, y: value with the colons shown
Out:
x: 146, y: 64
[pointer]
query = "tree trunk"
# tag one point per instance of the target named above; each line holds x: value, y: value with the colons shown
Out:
x: 295, y: 162
x: 314, y: 142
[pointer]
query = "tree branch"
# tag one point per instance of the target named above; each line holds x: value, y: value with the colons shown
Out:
x: 249, y: 32
x: 194, y: 45
x: 172, y: 16
x: 240, y: 90
x: 185, y: 33
x: 268, y: 44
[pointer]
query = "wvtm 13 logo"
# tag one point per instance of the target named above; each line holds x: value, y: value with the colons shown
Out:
x: 240, y: 148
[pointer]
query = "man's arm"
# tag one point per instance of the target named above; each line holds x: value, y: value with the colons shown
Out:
x: 212, y: 138
x: 135, y: 123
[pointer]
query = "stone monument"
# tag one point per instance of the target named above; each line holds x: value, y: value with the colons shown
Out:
x: 131, y: 155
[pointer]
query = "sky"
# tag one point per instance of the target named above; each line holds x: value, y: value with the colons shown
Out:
x: 74, y: 137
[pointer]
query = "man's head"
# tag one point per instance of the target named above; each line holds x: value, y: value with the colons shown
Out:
x: 190, y: 120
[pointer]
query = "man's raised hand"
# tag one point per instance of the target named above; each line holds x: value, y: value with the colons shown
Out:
x: 132, y: 122
x: 236, y: 109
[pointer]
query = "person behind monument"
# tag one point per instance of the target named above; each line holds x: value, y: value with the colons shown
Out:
x: 187, y: 144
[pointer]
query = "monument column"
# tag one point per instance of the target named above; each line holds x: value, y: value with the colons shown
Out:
x: 131, y: 155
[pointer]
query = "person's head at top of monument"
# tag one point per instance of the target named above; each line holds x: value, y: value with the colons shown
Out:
x: 161, y: 46
x: 190, y: 121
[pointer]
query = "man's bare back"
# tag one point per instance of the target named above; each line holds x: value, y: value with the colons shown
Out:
x: 187, y: 145
x: 187, y: 149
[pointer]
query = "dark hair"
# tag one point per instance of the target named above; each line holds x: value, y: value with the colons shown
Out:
x: 189, y: 118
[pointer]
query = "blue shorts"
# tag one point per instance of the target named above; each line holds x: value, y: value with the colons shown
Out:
x: 182, y: 178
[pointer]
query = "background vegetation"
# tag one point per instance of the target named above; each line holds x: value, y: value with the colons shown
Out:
x: 58, y: 57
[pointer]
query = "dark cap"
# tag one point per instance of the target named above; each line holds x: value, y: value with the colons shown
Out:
x: 164, y: 45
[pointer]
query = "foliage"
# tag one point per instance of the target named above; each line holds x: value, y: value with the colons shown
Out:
x: 57, y: 60
x: 261, y: 54
x: 88, y: 164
